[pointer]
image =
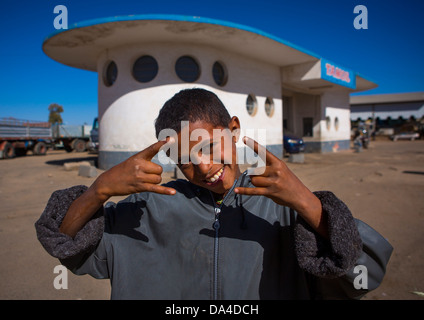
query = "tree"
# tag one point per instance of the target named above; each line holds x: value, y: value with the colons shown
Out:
x: 55, y: 111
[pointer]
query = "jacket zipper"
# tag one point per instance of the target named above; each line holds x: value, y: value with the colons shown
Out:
x: 216, y: 226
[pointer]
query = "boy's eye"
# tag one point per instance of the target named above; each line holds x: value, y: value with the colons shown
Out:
x: 207, y: 150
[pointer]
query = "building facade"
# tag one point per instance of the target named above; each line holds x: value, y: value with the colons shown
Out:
x: 270, y: 84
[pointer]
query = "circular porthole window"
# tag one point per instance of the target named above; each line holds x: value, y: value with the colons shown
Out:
x: 269, y: 107
x: 219, y: 73
x: 251, y: 105
x: 145, y: 69
x: 336, y: 123
x: 110, y: 74
x: 328, y: 122
x: 187, y: 69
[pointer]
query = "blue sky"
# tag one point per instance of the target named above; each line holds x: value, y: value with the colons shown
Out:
x: 390, y: 52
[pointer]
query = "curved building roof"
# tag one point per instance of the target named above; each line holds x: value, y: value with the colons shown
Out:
x: 81, y: 44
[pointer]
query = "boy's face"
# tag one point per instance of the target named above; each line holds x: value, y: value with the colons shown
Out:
x: 210, y: 160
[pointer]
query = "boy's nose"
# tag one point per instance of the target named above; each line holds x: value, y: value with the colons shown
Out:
x: 203, y: 168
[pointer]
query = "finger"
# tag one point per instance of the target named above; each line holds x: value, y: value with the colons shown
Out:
x: 151, y: 178
x: 150, y: 167
x: 260, y: 150
x: 160, y: 189
x: 259, y: 171
x: 153, y: 149
x: 251, y: 191
x: 259, y: 181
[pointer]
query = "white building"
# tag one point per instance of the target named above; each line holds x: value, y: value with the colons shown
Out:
x: 142, y: 61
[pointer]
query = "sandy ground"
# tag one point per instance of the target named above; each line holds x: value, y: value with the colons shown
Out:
x: 383, y: 186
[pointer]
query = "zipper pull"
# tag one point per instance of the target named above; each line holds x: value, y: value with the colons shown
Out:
x: 216, y: 224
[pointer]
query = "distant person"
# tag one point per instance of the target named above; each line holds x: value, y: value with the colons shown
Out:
x: 222, y: 234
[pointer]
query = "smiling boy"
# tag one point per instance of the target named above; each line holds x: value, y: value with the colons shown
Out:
x: 222, y: 234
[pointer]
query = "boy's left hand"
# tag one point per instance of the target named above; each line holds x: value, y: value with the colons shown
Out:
x: 279, y: 183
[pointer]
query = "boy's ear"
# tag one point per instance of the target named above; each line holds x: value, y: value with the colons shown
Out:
x: 234, y: 126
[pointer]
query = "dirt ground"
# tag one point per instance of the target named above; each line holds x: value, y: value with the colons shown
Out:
x: 383, y: 186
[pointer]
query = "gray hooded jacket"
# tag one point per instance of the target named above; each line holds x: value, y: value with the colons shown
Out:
x: 154, y: 246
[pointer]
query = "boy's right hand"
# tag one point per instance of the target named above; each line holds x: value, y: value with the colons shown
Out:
x: 136, y: 174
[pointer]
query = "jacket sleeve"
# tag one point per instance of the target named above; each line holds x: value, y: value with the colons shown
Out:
x: 78, y: 253
x: 351, y: 262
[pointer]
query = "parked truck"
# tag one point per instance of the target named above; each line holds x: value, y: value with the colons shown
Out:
x: 17, y: 137
x: 71, y: 137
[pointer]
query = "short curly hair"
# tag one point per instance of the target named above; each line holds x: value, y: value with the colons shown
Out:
x: 192, y: 105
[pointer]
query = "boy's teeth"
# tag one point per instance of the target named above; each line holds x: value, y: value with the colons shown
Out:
x: 216, y: 176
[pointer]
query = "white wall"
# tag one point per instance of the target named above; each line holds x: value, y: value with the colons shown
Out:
x: 335, y: 104
x: 127, y: 109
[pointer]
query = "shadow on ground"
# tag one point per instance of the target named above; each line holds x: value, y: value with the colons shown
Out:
x: 93, y: 160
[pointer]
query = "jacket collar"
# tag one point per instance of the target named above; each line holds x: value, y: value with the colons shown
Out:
x: 205, y: 195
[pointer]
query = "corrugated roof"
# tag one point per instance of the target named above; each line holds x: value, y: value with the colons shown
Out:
x: 387, y: 98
